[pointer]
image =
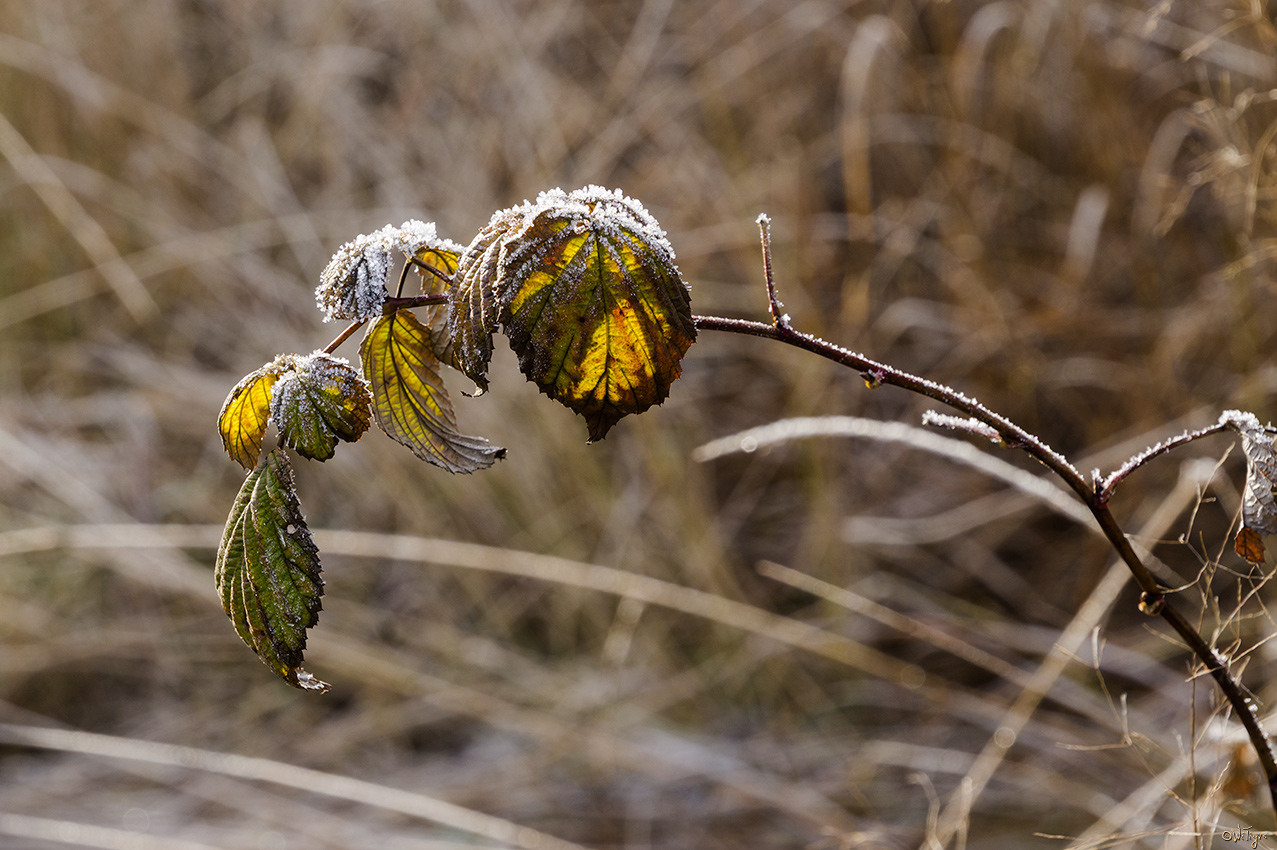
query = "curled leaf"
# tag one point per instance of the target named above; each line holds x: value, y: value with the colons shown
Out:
x: 1259, y: 507
x: 594, y: 305
x: 410, y: 401
x: 472, y: 303
x: 246, y: 412
x: 443, y: 256
x: 268, y: 572
x: 319, y: 401
x: 353, y: 285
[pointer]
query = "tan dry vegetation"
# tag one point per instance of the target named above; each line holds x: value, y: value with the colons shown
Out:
x: 1068, y: 210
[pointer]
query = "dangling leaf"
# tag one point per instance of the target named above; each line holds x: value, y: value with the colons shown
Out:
x: 268, y: 570
x: 472, y: 304
x: 320, y: 401
x: 1259, y: 506
x: 245, y: 413
x: 1249, y: 545
x: 409, y: 399
x: 594, y: 305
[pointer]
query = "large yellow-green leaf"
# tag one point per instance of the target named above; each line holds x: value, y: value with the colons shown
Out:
x: 321, y: 400
x: 594, y: 305
x: 268, y: 572
x: 246, y: 412
x: 409, y: 399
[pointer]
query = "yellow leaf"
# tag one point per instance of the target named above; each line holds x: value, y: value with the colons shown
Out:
x: 410, y: 401
x: 444, y: 256
x: 246, y: 412
x: 594, y: 305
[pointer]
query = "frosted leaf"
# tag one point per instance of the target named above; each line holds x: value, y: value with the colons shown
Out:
x: 268, y: 572
x: 321, y: 400
x: 1259, y: 507
x: 410, y: 401
x: 593, y: 304
x: 472, y: 307
x: 353, y: 285
x: 245, y: 414
x: 585, y: 286
x: 414, y: 237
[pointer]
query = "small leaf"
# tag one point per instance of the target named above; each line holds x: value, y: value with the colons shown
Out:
x: 268, y: 572
x: 410, y: 401
x: 1249, y: 545
x: 444, y: 255
x: 594, y: 305
x: 245, y: 413
x: 353, y: 284
x: 320, y: 401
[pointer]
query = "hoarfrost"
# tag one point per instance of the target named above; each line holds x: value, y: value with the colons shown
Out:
x: 1259, y: 505
x: 353, y: 285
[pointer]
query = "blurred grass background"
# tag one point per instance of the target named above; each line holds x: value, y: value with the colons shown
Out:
x: 1067, y: 210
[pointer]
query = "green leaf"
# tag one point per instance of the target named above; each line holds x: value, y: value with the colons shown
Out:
x: 410, y: 401
x: 321, y: 400
x: 268, y: 569
x: 594, y: 305
x: 245, y: 413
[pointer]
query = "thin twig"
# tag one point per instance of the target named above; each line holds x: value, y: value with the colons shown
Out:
x: 343, y: 336
x: 1104, y: 490
x: 392, y: 304
x: 439, y: 273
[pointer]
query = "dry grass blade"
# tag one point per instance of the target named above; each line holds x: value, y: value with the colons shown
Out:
x: 305, y: 779
x: 451, y: 553
x: 89, y: 835
x: 82, y: 226
x: 1043, y: 489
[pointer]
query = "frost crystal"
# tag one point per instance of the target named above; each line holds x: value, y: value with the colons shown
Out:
x: 413, y: 236
x: 353, y: 285
x: 957, y: 423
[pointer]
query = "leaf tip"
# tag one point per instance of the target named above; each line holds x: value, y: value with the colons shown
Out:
x: 299, y: 678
